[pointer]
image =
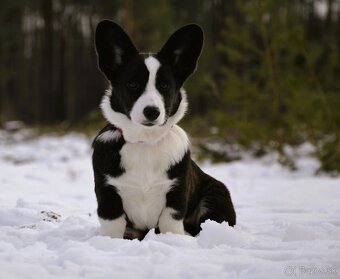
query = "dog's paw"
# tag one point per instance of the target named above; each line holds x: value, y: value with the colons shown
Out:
x: 114, y: 228
x: 167, y: 222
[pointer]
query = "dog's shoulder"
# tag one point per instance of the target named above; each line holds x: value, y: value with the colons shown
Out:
x: 108, y: 135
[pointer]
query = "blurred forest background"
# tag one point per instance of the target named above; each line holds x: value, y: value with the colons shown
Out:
x: 269, y: 75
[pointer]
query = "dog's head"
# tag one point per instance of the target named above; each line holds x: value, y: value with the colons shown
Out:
x: 145, y: 97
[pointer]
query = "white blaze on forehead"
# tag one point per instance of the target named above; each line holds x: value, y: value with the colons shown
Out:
x: 152, y: 64
x: 151, y: 96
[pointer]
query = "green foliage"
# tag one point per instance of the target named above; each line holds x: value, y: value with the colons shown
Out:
x: 278, y: 81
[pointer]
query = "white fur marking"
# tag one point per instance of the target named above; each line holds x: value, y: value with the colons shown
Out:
x: 109, y: 136
x: 168, y: 224
x: 113, y: 228
x: 150, y: 97
x: 144, y: 184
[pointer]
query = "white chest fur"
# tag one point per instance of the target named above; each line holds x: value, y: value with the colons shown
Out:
x: 144, y: 184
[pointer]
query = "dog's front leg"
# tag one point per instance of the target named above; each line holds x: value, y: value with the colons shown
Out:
x: 114, y: 228
x: 171, y: 218
x: 110, y: 211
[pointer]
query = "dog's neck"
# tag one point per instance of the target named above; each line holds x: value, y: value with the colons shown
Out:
x: 135, y: 133
x: 149, y: 136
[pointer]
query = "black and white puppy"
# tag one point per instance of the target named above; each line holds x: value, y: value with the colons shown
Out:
x: 144, y: 176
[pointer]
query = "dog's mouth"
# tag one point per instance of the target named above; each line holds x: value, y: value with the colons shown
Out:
x: 149, y: 124
x: 153, y: 123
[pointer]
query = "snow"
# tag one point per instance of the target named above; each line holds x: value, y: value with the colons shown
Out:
x: 288, y: 222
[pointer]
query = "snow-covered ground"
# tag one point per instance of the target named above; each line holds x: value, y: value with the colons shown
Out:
x: 288, y: 222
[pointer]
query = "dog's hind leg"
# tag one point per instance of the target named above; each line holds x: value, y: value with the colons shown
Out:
x: 215, y: 204
x: 218, y: 203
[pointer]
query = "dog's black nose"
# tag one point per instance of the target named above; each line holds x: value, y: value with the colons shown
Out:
x: 151, y: 113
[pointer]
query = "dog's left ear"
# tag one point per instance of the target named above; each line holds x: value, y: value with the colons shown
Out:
x: 182, y: 50
x: 113, y: 46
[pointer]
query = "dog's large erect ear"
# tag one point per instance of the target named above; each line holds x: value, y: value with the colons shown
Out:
x: 113, y: 47
x: 183, y: 49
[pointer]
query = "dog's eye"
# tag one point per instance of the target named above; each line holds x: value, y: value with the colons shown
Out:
x: 163, y: 85
x: 133, y: 85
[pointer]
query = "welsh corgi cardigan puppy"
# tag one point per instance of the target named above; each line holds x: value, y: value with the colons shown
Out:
x: 144, y: 176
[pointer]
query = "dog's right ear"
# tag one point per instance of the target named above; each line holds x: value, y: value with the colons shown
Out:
x: 113, y: 46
